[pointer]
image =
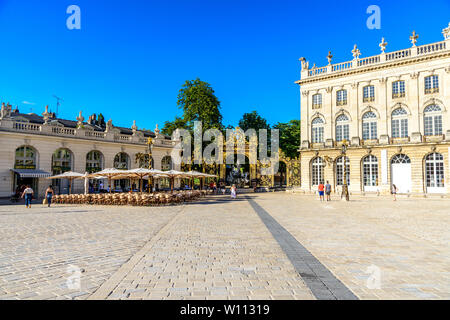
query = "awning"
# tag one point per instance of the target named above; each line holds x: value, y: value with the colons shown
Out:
x: 31, y: 173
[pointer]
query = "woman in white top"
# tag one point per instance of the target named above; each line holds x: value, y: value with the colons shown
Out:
x: 28, y: 195
x: 233, y: 192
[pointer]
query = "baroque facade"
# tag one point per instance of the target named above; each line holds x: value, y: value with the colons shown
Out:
x: 35, y: 147
x: 390, y: 109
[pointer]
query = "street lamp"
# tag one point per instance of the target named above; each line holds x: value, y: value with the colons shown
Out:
x: 345, y: 185
x: 149, y: 153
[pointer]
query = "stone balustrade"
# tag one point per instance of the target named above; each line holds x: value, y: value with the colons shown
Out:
x: 83, y: 133
x: 376, y: 60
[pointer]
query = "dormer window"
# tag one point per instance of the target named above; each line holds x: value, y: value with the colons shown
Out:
x: 317, y: 101
x: 398, y: 89
x: 341, y: 97
x: 431, y: 84
x: 368, y: 94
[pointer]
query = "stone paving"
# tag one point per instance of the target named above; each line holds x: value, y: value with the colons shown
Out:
x: 221, y: 249
x: 403, y: 244
x: 39, y: 244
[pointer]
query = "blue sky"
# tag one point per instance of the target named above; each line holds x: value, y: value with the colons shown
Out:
x: 130, y: 58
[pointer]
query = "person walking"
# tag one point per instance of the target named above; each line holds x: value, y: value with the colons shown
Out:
x: 394, y: 191
x: 328, y: 191
x: 28, y: 195
x: 49, y: 195
x: 321, y: 192
x: 233, y: 192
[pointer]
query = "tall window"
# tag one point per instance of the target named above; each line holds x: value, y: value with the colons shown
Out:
x: 340, y: 171
x: 370, y: 171
x: 369, y: 123
x: 166, y: 163
x: 433, y: 120
x: 398, y: 89
x: 399, y: 123
x: 25, y: 158
x: 341, y: 97
x: 61, y: 161
x: 317, y: 101
x: 146, y: 161
x: 369, y: 94
x: 121, y: 161
x: 434, y: 167
x: 431, y: 84
x: 342, y: 128
x: 317, y: 130
x: 94, y: 161
x: 317, y: 171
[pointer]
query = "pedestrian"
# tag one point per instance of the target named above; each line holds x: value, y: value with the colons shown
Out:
x: 233, y: 192
x: 49, y: 195
x: 321, y: 192
x: 328, y: 191
x: 394, y: 191
x: 28, y: 195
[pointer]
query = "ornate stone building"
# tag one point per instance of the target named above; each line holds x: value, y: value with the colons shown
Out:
x: 34, y: 147
x: 391, y: 109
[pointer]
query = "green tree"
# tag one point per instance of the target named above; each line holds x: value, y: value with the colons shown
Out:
x: 198, y: 101
x: 253, y: 120
x: 170, y: 126
x: 289, y: 137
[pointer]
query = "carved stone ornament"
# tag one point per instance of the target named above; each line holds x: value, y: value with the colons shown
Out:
x: 414, y: 75
x: 413, y: 38
x: 383, y: 45
x: 356, y: 53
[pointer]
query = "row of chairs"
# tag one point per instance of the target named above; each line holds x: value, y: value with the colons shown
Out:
x: 131, y: 199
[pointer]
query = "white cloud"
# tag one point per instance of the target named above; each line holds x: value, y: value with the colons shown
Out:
x: 29, y: 103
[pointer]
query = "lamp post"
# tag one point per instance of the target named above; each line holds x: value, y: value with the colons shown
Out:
x: 149, y: 153
x: 344, y: 184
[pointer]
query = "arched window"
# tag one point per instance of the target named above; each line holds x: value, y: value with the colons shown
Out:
x: 121, y: 161
x: 317, y: 130
x: 317, y: 171
x: 401, y: 159
x: 340, y: 171
x: 317, y: 101
x: 399, y: 123
x: 146, y: 161
x: 94, y: 162
x: 368, y: 94
x: 342, y: 128
x: 25, y: 158
x: 341, y: 97
x: 432, y: 120
x: 369, y: 126
x: 166, y: 163
x: 61, y: 161
x: 434, y: 168
x: 370, y: 171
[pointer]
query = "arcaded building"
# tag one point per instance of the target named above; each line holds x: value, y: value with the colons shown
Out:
x: 34, y: 147
x: 391, y: 109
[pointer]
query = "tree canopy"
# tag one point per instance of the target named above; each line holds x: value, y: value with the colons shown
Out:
x: 198, y: 101
x: 289, y: 137
x: 253, y: 120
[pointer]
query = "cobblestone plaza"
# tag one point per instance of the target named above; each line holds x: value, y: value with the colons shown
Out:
x: 261, y: 246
